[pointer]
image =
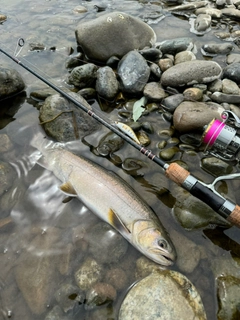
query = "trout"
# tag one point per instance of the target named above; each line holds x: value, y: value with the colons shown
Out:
x: 111, y: 199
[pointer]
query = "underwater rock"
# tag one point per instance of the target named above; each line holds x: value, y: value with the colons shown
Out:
x: 113, y: 34
x: 64, y: 121
x: 106, y: 84
x: 134, y: 72
x: 194, y: 115
x: 191, y: 72
x: 7, y: 176
x: 11, y: 82
x: 99, y: 294
x: 117, y: 277
x: 68, y: 296
x: 162, y: 295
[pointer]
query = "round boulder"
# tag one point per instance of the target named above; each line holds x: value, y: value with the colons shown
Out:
x: 113, y: 34
x: 11, y: 82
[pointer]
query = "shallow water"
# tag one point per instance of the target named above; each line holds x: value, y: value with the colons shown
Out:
x: 34, y: 201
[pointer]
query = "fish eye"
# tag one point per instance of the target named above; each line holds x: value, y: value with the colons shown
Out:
x: 162, y: 243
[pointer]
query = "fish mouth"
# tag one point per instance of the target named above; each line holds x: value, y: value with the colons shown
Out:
x: 168, y: 261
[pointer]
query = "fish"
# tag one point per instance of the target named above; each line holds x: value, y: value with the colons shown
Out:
x: 127, y: 130
x: 109, y: 197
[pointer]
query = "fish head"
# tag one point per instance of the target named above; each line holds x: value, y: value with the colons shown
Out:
x: 153, y: 242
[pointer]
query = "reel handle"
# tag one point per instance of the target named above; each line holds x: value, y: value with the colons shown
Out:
x: 224, y: 207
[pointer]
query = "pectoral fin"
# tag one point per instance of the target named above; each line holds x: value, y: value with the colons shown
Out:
x: 117, y: 223
x: 68, y: 189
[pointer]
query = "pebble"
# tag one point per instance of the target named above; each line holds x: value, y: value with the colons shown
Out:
x: 184, y: 56
x: 144, y: 267
x: 153, y: 91
x: 117, y: 277
x: 193, y: 94
x: 7, y: 176
x: 3, y: 17
x: 216, y: 167
x: 69, y: 296
x: 83, y: 76
x: 216, y: 85
x: 212, y: 49
x: 194, y: 115
x: 231, y: 12
x: 230, y: 87
x: 223, y: 97
x: 176, y: 45
x: 151, y: 54
x: 191, y: 72
x: 232, y: 72
x: 89, y: 273
x: 233, y: 58
x: 151, y: 297
x: 155, y: 70
x: 165, y: 64
x: 99, y: 294
x: 202, y: 22
x: 168, y: 154
x: 106, y: 83
x: 80, y: 9
x: 213, y: 12
x: 134, y: 72
x: 170, y: 103
x: 114, y: 33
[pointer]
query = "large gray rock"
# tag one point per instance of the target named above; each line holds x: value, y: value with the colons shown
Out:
x: 11, y: 82
x: 160, y: 296
x: 191, y: 72
x: 112, y: 34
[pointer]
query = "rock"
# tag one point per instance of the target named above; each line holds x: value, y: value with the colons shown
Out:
x: 214, y: 13
x: 113, y: 34
x: 230, y: 87
x: 216, y: 85
x: 193, y: 94
x: 233, y: 58
x: 172, y: 102
x: 151, y: 54
x: 228, y: 292
x: 11, y: 82
x: 153, y: 91
x: 133, y: 72
x: 7, y: 176
x: 55, y: 314
x: 80, y: 9
x: 109, y: 143
x: 194, y: 115
x: 3, y: 17
x: 165, y: 64
x: 63, y: 120
x: 202, y: 22
x: 184, y: 56
x: 231, y: 12
x: 216, y: 167
x: 155, y: 71
x: 169, y: 153
x: 89, y: 273
x: 106, y: 84
x: 83, y: 76
x: 189, y: 6
x: 68, y: 296
x: 105, y: 244
x: 232, y: 72
x: 99, y: 294
x: 162, y: 295
x: 174, y: 46
x: 213, y: 49
x: 117, y: 278
x: 144, y: 267
x: 35, y: 272
x: 223, y: 97
x: 191, y: 72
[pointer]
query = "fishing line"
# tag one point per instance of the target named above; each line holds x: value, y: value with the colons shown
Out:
x: 204, y: 192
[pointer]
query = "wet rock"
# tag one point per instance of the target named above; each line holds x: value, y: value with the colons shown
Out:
x: 189, y: 6
x: 174, y: 46
x: 7, y: 176
x: 223, y: 97
x: 191, y: 72
x: 87, y: 93
x: 89, y: 273
x: 154, y: 91
x: 184, y: 56
x: 35, y: 272
x: 230, y: 87
x: 169, y: 153
x: 133, y: 72
x: 151, y: 54
x: 99, y: 294
x: 55, y: 314
x: 83, y: 76
x: 216, y: 167
x: 42, y: 94
x: 105, y: 244
x: 232, y: 72
x: 191, y: 115
x: 63, y: 121
x: 228, y: 292
x: 165, y: 64
x: 216, y: 85
x: 74, y: 61
x: 155, y: 70
x: 172, y: 102
x: 212, y: 49
x: 231, y: 12
x: 202, y: 23
x: 106, y: 84
x: 11, y: 82
x: 110, y: 143
x: 80, y: 9
x: 193, y: 94
x: 3, y: 17
x: 144, y: 267
x: 151, y: 297
x: 213, y: 12
x: 114, y: 33
x: 233, y: 58
x: 143, y: 138
x: 117, y: 277
x: 69, y: 296
x: 135, y: 167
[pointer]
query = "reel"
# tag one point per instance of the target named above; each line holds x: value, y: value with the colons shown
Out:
x: 221, y: 137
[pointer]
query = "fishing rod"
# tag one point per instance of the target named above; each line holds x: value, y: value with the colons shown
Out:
x: 204, y: 192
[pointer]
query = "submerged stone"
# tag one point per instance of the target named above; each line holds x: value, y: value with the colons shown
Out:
x: 162, y: 295
x: 11, y: 82
x: 113, y: 34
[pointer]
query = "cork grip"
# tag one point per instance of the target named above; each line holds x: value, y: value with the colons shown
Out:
x: 177, y: 173
x: 234, y: 217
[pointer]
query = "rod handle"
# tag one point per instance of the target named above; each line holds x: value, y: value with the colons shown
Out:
x: 176, y: 173
x: 234, y: 217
